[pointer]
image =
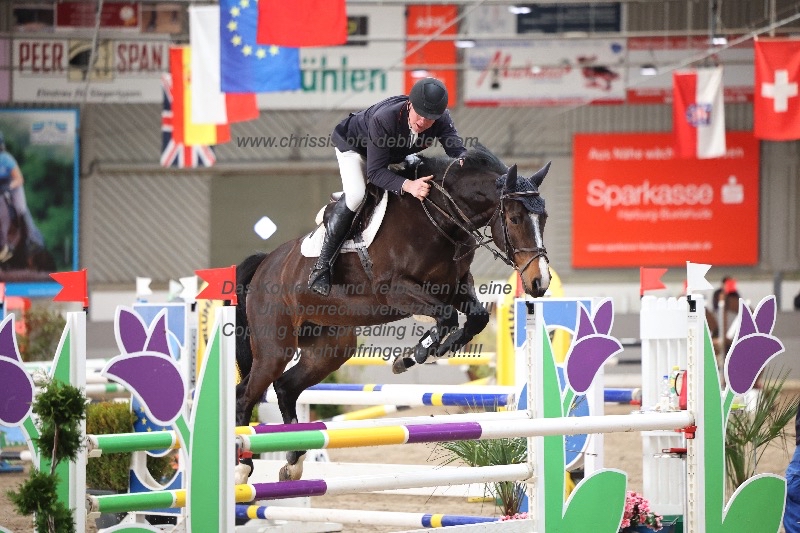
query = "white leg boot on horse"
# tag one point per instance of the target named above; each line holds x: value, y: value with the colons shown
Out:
x: 337, y: 226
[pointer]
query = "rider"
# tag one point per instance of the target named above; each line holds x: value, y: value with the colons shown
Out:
x: 368, y: 142
x: 11, y: 178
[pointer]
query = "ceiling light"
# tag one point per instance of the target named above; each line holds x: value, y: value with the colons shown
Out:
x: 648, y: 70
x: 519, y: 10
x: 465, y: 44
x: 719, y: 40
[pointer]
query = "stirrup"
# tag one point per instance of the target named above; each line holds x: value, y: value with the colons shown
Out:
x: 320, y: 281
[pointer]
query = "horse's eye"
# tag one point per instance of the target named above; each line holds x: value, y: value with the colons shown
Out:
x: 516, y: 219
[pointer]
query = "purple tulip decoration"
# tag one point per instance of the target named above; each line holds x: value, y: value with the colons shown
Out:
x: 146, y: 368
x: 753, y: 347
x: 592, y: 346
x: 15, y: 382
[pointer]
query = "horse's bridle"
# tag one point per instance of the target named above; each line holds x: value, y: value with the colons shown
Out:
x: 510, y: 249
x: 481, y: 239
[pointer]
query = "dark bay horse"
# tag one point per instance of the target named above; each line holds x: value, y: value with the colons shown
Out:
x: 419, y: 264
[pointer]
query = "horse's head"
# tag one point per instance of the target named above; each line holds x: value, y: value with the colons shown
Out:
x: 519, y: 229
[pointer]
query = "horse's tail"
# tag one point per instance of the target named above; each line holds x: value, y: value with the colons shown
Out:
x: 244, y: 275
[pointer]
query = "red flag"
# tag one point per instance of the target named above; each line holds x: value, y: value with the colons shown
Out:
x: 650, y: 279
x: 698, y: 115
x: 302, y: 23
x: 221, y: 284
x: 73, y: 287
x: 776, y: 104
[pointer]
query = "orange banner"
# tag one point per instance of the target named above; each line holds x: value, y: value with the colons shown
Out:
x: 427, y: 20
x: 635, y: 204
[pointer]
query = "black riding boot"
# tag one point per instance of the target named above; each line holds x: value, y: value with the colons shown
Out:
x: 337, y: 225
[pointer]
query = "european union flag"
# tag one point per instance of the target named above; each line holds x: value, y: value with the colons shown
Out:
x: 249, y: 67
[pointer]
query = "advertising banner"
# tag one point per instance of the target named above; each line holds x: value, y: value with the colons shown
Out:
x: 545, y: 72
x: 41, y: 145
x: 635, y: 204
x: 737, y: 63
x: 355, y: 75
x: 429, y: 20
x: 116, y: 15
x: 56, y: 70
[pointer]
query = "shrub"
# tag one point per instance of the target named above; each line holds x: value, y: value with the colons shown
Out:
x: 110, y: 471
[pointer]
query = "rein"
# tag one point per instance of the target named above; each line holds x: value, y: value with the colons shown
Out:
x: 480, y: 239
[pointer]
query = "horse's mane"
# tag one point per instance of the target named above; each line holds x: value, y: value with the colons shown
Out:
x: 476, y: 158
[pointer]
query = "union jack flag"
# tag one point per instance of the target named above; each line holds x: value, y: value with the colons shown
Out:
x: 174, y: 154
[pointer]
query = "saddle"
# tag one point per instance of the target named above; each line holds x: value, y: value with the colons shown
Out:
x: 368, y: 219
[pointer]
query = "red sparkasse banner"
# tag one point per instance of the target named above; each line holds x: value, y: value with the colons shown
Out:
x: 427, y: 20
x: 636, y: 204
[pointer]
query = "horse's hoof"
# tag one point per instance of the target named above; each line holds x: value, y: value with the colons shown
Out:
x: 284, y: 474
x: 400, y: 364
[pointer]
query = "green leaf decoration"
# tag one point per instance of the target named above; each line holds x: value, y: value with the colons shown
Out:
x: 756, y: 506
x: 596, y: 504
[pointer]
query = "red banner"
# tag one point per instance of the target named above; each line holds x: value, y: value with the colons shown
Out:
x: 119, y: 15
x: 636, y: 204
x: 428, y: 20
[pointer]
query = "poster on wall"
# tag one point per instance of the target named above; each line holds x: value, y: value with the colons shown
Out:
x: 56, y: 70
x: 545, y: 72
x: 636, y: 204
x: 39, y: 220
x: 5, y: 70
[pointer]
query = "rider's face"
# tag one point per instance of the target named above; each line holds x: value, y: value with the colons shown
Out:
x: 417, y: 122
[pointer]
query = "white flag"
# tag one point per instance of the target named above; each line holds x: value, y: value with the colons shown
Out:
x: 143, y: 287
x: 696, y: 277
x: 208, y: 100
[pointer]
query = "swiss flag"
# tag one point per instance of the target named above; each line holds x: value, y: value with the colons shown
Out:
x: 698, y: 115
x: 776, y: 106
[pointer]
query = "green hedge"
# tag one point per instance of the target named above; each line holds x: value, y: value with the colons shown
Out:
x: 110, y: 471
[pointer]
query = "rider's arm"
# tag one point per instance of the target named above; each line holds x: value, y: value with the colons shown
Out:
x: 16, y: 178
x: 448, y: 136
x: 378, y: 157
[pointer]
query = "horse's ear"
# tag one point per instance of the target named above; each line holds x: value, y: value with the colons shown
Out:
x: 511, y: 178
x: 538, y: 177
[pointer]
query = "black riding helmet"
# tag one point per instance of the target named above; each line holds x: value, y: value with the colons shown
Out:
x: 429, y: 98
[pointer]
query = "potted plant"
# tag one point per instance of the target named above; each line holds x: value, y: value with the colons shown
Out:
x: 493, y: 452
x: 638, y: 518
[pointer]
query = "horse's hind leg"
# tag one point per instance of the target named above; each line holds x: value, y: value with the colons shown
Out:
x: 320, y: 356
x: 269, y: 360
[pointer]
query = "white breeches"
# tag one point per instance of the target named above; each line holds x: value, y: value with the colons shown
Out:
x: 352, y: 168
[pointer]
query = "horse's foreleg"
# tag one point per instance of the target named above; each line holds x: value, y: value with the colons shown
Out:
x: 429, y: 343
x: 320, y: 356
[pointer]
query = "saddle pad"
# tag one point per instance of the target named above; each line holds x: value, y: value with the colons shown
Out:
x: 312, y: 244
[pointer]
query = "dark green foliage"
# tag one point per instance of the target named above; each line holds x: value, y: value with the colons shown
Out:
x: 750, y: 432
x: 110, y: 471
x: 493, y: 452
x: 60, y: 407
x: 29, y: 501
x: 45, y: 325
